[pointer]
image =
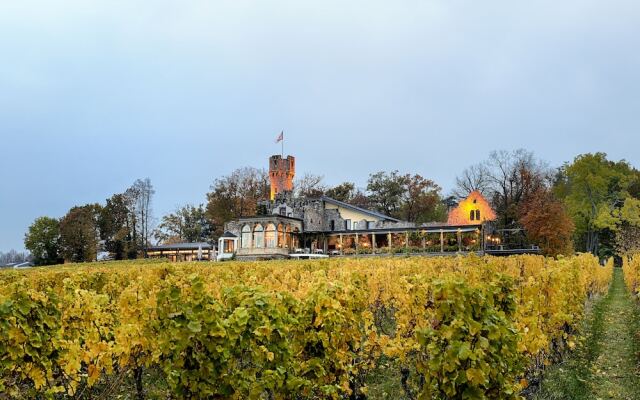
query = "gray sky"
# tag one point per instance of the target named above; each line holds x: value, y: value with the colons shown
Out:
x: 94, y: 94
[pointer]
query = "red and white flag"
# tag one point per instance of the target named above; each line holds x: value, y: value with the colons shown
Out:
x: 280, y: 137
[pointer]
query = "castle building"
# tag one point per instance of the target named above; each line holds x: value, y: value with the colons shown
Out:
x: 326, y: 226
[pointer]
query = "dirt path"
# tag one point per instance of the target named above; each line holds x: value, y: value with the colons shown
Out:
x: 605, y: 366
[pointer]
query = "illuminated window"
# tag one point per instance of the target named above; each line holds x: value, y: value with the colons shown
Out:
x: 246, y: 237
x: 228, y: 246
x: 281, y: 236
x: 258, y: 237
x: 270, y: 236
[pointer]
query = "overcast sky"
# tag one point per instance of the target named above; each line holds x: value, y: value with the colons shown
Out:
x: 94, y: 94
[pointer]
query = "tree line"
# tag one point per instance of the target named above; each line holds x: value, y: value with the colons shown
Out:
x: 13, y: 257
x: 591, y: 204
x: 122, y: 227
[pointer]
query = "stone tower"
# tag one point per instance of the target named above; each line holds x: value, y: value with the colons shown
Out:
x: 281, y: 173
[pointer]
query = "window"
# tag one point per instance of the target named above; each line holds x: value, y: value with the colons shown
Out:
x: 228, y: 246
x: 472, y: 215
x: 477, y: 215
x: 270, y: 236
x: 258, y: 237
x: 347, y: 224
x: 246, y: 237
x: 281, y: 240
x: 283, y: 211
x: 332, y: 225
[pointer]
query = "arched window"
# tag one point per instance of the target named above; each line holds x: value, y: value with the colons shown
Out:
x: 281, y: 241
x: 258, y: 237
x: 295, y: 243
x: 287, y: 237
x: 270, y: 236
x: 246, y: 237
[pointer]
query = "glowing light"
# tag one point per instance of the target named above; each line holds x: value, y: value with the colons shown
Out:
x: 475, y: 209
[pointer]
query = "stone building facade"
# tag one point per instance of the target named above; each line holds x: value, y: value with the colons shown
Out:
x: 324, y: 225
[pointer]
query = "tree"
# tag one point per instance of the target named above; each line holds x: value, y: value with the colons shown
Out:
x: 186, y: 224
x: 385, y: 192
x: 309, y: 185
x: 116, y: 224
x: 512, y: 176
x: 79, y: 233
x: 141, y: 195
x: 594, y: 188
x: 547, y: 223
x: 236, y: 196
x: 12, y: 256
x: 421, y: 200
x: 409, y: 197
x: 472, y: 179
x: 344, y: 192
x: 43, y: 241
x: 624, y: 223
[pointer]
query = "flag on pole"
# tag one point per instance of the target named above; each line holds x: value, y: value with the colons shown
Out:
x: 280, y: 137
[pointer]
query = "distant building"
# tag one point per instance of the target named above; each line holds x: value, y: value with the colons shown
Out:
x: 182, y: 251
x: 471, y: 211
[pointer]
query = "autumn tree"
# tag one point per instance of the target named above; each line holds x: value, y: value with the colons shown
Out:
x: 79, y: 233
x: 594, y: 189
x: 408, y: 197
x: 343, y: 192
x: 116, y: 223
x: 547, y: 223
x: 187, y: 224
x: 421, y: 200
x: 506, y: 178
x: 43, y: 241
x: 386, y: 191
x: 236, y: 196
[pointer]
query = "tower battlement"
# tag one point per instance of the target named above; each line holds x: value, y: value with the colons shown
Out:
x: 281, y: 174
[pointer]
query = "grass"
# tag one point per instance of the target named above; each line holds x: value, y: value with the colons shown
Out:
x: 605, y: 364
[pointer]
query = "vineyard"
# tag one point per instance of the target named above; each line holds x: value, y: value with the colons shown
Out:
x: 440, y: 328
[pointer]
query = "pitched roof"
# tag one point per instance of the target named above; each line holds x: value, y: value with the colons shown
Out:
x: 358, y: 209
x: 228, y: 234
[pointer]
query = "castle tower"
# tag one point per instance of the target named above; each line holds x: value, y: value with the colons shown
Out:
x: 281, y: 173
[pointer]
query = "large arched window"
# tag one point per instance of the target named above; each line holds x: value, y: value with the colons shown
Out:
x: 246, y: 237
x: 295, y: 243
x: 258, y: 237
x: 270, y: 236
x: 287, y: 237
x: 281, y: 241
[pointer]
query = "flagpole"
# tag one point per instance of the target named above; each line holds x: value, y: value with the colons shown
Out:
x: 283, y: 145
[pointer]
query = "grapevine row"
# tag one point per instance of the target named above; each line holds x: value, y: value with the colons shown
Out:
x: 465, y: 327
